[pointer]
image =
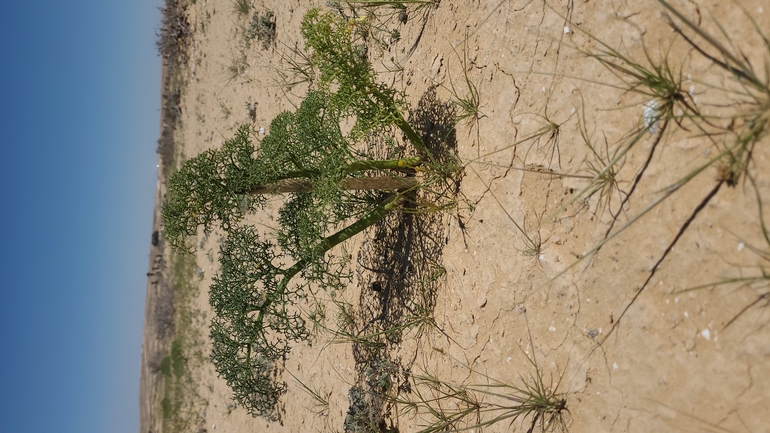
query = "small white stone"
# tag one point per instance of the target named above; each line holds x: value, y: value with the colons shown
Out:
x: 566, y: 30
x: 686, y: 314
x: 651, y: 115
x: 741, y: 246
x: 508, y: 360
x: 706, y: 334
x: 760, y: 9
x: 542, y: 256
x: 262, y: 130
x: 614, y: 366
x: 551, y: 328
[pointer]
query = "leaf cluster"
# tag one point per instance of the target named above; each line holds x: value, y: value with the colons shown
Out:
x: 210, y: 188
x: 262, y: 28
x: 252, y: 324
x: 220, y: 186
x: 339, y: 53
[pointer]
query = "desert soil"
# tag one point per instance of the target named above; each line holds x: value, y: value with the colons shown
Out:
x: 629, y: 353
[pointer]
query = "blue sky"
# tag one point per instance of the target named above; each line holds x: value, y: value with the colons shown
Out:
x: 79, y: 116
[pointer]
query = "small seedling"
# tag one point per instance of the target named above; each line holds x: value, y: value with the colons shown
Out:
x: 468, y: 102
x: 604, y: 175
x: 533, y: 240
x: 242, y: 7
x: 546, y: 139
x: 450, y: 407
x: 237, y: 67
x: 262, y: 28
x: 320, y: 401
x: 299, y: 68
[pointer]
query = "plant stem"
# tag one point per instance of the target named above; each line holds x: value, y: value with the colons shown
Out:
x: 328, y: 243
x: 388, y: 164
x: 301, y: 180
x: 382, y: 183
x: 401, y: 123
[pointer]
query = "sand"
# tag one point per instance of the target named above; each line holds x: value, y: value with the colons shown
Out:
x: 629, y: 352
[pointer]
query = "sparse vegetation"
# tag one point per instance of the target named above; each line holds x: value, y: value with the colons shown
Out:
x: 468, y: 100
x: 173, y: 37
x: 306, y: 154
x: 671, y: 102
x: 179, y: 393
x: 444, y: 406
x: 242, y: 7
x: 262, y: 28
x: 351, y: 157
x: 173, y: 42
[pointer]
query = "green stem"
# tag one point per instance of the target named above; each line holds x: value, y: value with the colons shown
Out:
x: 328, y: 243
x: 401, y: 123
x: 410, y: 133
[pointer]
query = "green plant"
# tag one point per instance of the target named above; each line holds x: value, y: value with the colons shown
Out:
x: 262, y: 28
x: 320, y: 401
x: 604, y: 182
x: 468, y: 103
x: 237, y: 67
x: 337, y: 190
x: 735, y: 131
x: 752, y: 91
x: 242, y: 7
x: 378, y: 22
x: 340, y: 57
x: 299, y: 68
x: 551, y: 131
x: 450, y: 407
x: 165, y: 366
x: 177, y: 358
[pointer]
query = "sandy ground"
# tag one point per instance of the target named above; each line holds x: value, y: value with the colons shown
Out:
x: 629, y: 355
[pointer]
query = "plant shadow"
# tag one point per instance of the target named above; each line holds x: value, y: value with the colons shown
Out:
x: 401, y: 262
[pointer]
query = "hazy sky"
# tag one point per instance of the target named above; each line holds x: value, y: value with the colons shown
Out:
x: 79, y: 84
